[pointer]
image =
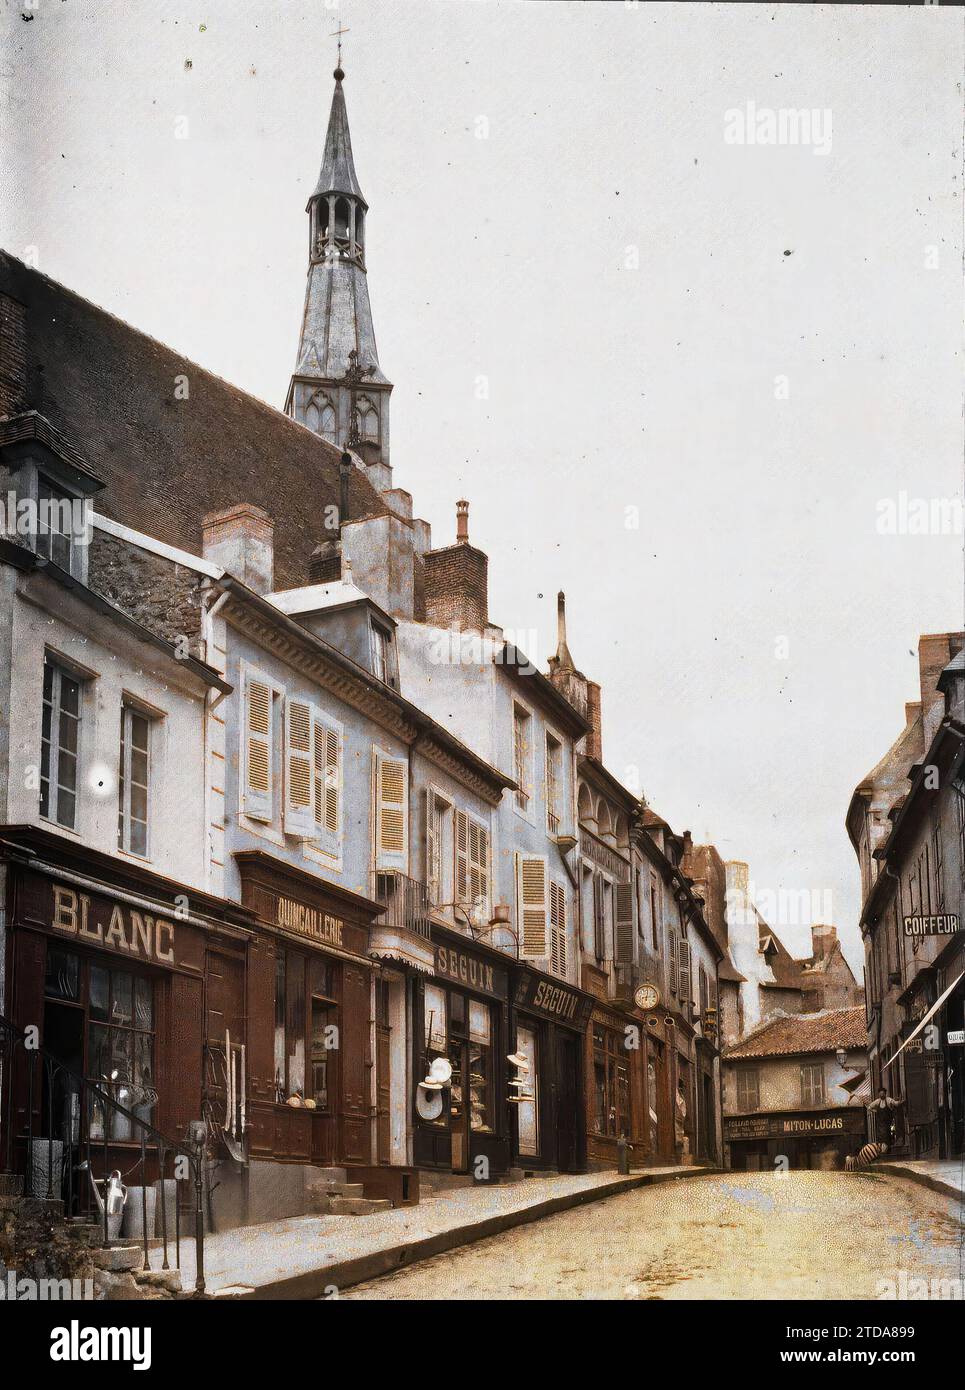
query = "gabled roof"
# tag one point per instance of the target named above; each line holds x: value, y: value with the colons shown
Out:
x: 796, y: 1034
x: 167, y: 460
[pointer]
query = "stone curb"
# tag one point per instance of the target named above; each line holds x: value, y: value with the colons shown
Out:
x: 924, y: 1179
x: 342, y: 1274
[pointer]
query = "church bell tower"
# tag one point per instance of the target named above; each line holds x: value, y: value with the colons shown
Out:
x: 338, y: 388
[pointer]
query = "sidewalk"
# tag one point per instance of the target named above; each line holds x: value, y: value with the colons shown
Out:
x: 941, y: 1175
x: 309, y: 1256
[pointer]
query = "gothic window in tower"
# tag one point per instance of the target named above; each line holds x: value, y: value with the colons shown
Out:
x: 360, y: 228
x: 367, y: 419
x: 320, y: 416
x: 341, y: 218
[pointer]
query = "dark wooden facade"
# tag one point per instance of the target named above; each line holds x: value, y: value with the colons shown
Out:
x: 309, y: 943
x: 552, y: 1016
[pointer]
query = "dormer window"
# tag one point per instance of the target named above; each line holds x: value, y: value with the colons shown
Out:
x: 380, y: 641
x: 56, y: 532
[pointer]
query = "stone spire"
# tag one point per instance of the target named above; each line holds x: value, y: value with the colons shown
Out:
x: 338, y: 388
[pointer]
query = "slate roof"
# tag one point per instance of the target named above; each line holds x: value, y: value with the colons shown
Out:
x: 337, y: 174
x: 166, y: 462
x: 792, y: 1034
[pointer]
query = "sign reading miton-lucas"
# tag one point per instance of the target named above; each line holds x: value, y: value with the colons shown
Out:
x: 944, y: 924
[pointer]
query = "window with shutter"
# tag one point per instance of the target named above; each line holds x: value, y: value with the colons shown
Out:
x: 624, y: 932
x: 684, y: 986
x: 257, y: 790
x: 532, y: 907
x: 299, y: 770
x: 599, y: 918
x: 558, y: 929
x: 327, y: 781
x: 391, y: 818
x: 672, y: 961
x: 479, y: 866
x: 462, y: 857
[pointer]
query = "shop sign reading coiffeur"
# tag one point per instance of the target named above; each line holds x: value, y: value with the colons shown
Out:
x: 944, y: 924
x: 113, y: 925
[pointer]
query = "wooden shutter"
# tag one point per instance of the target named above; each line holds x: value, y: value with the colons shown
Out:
x: 462, y: 857
x: 532, y: 916
x: 599, y: 925
x: 327, y: 780
x: 391, y: 796
x: 684, y: 988
x: 672, y: 961
x: 624, y: 922
x: 558, y: 929
x: 478, y: 864
x: 257, y: 798
x: 299, y: 811
x: 433, y: 864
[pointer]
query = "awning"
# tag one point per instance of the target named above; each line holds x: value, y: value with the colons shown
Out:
x: 933, y: 1010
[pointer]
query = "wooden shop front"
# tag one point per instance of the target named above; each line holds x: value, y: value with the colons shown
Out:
x: 802, y: 1139
x: 549, y: 1023
x: 309, y: 1017
x: 460, y: 1017
x: 109, y: 963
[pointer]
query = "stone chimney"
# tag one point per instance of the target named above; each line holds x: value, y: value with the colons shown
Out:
x: 935, y: 651
x: 240, y: 540
x: 457, y: 582
x: 738, y: 876
x: 594, y: 739
x: 824, y: 938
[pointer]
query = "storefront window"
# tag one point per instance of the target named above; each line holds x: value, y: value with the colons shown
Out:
x: 480, y: 1067
x: 611, y: 1084
x: 324, y: 1034
x: 528, y: 1111
x: 120, y: 1047
x: 305, y: 997
x: 435, y: 1023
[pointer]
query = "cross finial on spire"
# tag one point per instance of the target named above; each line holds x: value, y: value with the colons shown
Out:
x: 339, y: 74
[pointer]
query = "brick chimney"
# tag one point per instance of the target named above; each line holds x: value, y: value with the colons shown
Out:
x: 457, y: 581
x: 594, y: 739
x: 240, y: 540
x: 824, y: 938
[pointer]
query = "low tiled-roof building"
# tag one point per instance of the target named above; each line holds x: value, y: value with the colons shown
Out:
x: 787, y: 1103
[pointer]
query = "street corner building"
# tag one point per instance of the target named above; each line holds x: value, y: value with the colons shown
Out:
x: 309, y: 877
x: 785, y: 1094
x: 906, y: 822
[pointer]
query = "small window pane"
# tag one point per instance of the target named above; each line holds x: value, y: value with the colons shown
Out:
x: 121, y: 991
x: 62, y: 980
x: 143, y: 1004
x: 100, y: 993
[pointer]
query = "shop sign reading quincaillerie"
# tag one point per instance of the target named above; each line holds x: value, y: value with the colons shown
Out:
x: 308, y: 921
x: 114, y: 925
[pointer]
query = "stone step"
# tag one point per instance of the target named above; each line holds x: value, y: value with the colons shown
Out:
x: 325, y: 1175
x: 345, y: 1189
x: 357, y: 1206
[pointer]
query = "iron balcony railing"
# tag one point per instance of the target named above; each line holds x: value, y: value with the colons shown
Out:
x: 406, y: 901
x: 57, y: 1129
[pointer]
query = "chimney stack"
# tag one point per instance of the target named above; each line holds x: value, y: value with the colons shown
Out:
x: 457, y: 581
x: 240, y: 540
x: 823, y: 940
x: 594, y: 739
x: 462, y: 522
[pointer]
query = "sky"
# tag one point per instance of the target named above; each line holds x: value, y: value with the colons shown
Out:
x: 679, y: 376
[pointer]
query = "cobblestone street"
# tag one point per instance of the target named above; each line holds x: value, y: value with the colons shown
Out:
x: 741, y: 1235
